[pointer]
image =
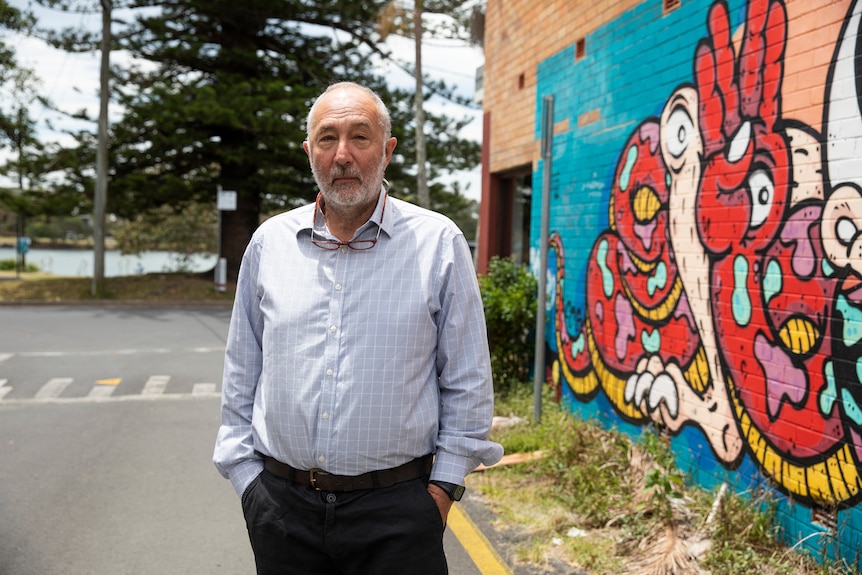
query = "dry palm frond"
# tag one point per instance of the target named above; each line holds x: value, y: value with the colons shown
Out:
x: 663, y: 553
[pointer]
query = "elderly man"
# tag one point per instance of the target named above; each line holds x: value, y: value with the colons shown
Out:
x: 357, y: 390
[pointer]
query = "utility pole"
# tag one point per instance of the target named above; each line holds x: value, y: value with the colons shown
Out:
x: 20, y: 261
x: 422, y: 193
x: 100, y: 200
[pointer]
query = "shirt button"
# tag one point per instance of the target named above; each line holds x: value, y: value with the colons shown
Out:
x: 321, y: 459
x: 344, y: 249
x: 332, y: 329
x: 337, y: 287
x: 329, y: 371
x: 325, y: 415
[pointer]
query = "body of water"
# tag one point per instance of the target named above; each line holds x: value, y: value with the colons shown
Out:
x: 80, y: 262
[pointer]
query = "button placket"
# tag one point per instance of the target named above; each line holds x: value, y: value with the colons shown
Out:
x: 332, y: 352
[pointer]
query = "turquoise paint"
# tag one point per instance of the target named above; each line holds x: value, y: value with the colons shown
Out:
x: 625, y: 175
x: 772, y: 280
x: 651, y: 341
x: 740, y: 300
x: 607, y: 275
x: 852, y: 315
x: 658, y: 280
x: 829, y: 394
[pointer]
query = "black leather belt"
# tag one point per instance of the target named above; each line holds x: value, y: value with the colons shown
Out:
x: 323, y: 481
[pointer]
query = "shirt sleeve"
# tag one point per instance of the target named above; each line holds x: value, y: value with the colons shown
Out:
x: 464, y: 371
x: 234, y: 454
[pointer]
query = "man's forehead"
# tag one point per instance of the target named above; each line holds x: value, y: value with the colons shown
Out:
x: 345, y: 107
x: 350, y: 121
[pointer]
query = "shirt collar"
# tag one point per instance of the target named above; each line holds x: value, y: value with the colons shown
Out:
x: 380, y: 216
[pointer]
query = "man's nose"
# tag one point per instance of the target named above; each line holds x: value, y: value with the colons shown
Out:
x: 342, y: 152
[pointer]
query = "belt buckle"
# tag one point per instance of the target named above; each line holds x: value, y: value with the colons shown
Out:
x: 312, y: 477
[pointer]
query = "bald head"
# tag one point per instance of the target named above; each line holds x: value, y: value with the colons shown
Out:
x: 352, y: 90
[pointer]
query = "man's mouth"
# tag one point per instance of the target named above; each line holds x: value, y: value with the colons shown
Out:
x: 345, y: 180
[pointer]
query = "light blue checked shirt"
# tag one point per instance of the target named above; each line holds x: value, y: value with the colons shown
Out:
x: 353, y: 361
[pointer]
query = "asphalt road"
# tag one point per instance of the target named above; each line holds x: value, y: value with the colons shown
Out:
x: 107, y: 422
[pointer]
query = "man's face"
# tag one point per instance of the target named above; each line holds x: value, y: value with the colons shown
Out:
x: 347, y: 150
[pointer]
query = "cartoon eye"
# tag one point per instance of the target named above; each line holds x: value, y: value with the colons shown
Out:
x: 762, y: 192
x: 845, y: 231
x: 680, y: 130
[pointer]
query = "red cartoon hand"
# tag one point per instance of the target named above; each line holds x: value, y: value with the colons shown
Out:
x: 747, y: 166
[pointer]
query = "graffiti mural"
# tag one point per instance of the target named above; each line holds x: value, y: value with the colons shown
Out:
x: 726, y: 292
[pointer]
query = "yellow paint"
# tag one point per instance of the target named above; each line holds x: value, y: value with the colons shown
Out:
x: 114, y: 381
x: 828, y: 482
x: 646, y: 204
x: 697, y: 374
x: 580, y: 385
x: 477, y: 546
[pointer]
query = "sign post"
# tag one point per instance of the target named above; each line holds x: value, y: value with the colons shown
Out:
x: 226, y: 202
x: 547, y: 156
x: 22, y: 247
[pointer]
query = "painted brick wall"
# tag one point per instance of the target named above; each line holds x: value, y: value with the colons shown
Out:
x: 706, y: 231
x: 518, y: 35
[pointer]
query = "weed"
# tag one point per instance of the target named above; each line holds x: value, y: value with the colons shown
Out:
x: 628, y: 503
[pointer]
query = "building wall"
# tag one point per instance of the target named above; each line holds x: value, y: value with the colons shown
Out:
x: 705, y: 231
x: 518, y: 35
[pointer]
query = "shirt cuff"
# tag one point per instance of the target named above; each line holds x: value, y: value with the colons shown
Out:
x: 452, y: 468
x: 242, y: 474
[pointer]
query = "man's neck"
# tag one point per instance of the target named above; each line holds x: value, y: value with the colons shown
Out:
x: 344, y: 223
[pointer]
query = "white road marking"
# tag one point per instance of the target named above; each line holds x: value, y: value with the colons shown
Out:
x: 203, y: 388
x: 153, y: 389
x: 155, y: 350
x: 5, y: 356
x: 102, y: 390
x: 112, y: 399
x: 93, y: 353
x: 54, y: 388
x: 156, y: 385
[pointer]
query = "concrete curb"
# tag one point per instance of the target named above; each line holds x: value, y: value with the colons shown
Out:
x: 173, y: 304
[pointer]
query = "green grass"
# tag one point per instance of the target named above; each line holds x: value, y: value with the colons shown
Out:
x: 156, y: 287
x: 631, y: 510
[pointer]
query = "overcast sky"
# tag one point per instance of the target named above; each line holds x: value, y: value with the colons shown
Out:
x: 71, y: 81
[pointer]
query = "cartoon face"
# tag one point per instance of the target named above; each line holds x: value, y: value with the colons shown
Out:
x: 638, y: 209
x: 770, y: 299
x: 724, y: 234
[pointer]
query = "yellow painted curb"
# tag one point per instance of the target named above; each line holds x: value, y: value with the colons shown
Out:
x: 484, y: 556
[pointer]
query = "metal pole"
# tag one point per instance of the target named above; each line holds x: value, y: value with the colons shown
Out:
x: 19, y: 236
x: 547, y: 155
x: 100, y: 198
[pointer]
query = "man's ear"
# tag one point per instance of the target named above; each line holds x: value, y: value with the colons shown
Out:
x: 306, y: 148
x: 390, y: 147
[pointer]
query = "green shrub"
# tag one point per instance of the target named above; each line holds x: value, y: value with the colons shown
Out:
x: 10, y: 266
x: 509, y: 296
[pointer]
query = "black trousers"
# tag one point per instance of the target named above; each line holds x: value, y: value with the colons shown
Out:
x: 296, y: 530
